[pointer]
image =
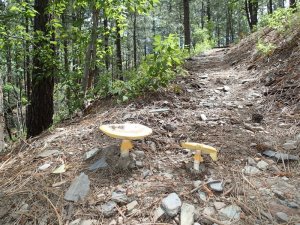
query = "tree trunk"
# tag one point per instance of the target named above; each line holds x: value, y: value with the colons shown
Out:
x: 1, y: 119
x: 202, y: 15
x: 119, y: 51
x: 134, y: 40
x: 90, y: 56
x: 270, y: 7
x: 251, y: 8
x: 106, y: 43
x: 208, y: 11
x: 293, y: 3
x: 40, y: 109
x: 186, y: 24
x: 280, y: 3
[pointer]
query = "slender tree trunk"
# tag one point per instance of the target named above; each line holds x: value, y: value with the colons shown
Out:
x: 202, y: 14
x: 227, y: 38
x: 1, y: 118
x: 106, y: 43
x: 280, y: 3
x: 119, y: 51
x: 40, y: 109
x: 270, y: 7
x: 90, y: 56
x: 251, y: 8
x: 134, y: 40
x: 208, y: 11
x: 293, y: 3
x: 186, y: 24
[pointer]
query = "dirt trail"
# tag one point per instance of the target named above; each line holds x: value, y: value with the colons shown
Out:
x: 227, y: 97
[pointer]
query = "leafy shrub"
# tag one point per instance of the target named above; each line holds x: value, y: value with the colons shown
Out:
x: 157, y: 70
x: 202, y: 40
x: 265, y: 48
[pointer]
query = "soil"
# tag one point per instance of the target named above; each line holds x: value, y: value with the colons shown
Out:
x: 241, y: 123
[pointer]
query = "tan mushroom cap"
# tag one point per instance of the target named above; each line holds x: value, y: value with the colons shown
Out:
x: 126, y: 131
x: 206, y: 149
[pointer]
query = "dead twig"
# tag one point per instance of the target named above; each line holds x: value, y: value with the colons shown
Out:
x: 212, y: 219
x: 60, y: 222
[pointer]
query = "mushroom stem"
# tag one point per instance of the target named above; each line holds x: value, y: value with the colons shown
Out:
x: 125, y: 147
x: 197, y: 159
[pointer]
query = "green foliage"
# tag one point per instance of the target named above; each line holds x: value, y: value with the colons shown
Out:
x: 265, y: 49
x: 280, y: 20
x: 156, y: 71
x: 202, y: 40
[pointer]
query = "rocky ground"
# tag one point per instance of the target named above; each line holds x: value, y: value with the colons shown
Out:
x: 69, y: 175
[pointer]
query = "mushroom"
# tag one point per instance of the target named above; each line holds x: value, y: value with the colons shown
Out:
x: 126, y: 132
x: 200, y: 149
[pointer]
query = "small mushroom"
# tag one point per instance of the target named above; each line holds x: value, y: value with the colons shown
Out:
x: 200, y: 149
x: 126, y: 132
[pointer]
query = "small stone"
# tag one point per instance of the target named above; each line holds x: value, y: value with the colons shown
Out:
x: 290, y: 145
x: 44, y: 166
x: 197, y: 183
x: 219, y: 205
x: 113, y: 222
x: 131, y: 206
x: 251, y: 170
x: 89, y: 222
x: 209, y: 211
x: 226, y: 88
x: 251, y: 162
x: 187, y: 214
x: 119, y: 197
x: 48, y: 153
x: 91, y: 153
x: 282, y: 217
x: 139, y: 154
x: 216, y: 186
x: 99, y: 164
x: 231, y: 212
x: 262, y: 165
x: 78, y: 189
x: 146, y: 173
x: 203, y: 117
x: 253, y: 145
x: 202, y: 195
x: 75, y: 222
x: 120, y: 220
x: 197, y: 224
x: 293, y: 205
x: 139, y: 164
x: 158, y: 213
x: 170, y: 127
x: 171, y: 204
x: 108, y: 209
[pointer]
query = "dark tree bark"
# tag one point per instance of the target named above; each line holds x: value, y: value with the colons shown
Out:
x: 40, y: 109
x: 119, y: 51
x: 186, y: 24
x: 270, y: 6
x: 106, y: 43
x: 1, y: 119
x: 251, y: 8
x: 280, y: 3
x: 134, y: 40
x: 202, y: 15
x: 293, y: 3
x: 208, y: 13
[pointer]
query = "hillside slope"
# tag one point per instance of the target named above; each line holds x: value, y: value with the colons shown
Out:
x: 223, y: 102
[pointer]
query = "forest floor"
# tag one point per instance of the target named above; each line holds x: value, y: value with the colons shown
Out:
x: 217, y: 103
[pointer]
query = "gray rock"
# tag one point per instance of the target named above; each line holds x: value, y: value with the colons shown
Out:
x: 170, y: 127
x: 197, y: 224
x: 113, y: 222
x: 91, y: 153
x: 202, y: 195
x: 251, y: 170
x: 158, y: 213
x: 231, y: 212
x: 226, y: 88
x: 171, y: 204
x: 119, y: 196
x: 89, y: 222
x: 139, y: 154
x: 187, y: 214
x: 216, y: 186
x: 280, y: 156
x: 159, y: 110
x: 251, y: 162
x: 108, y: 209
x: 262, y: 165
x: 48, y: 153
x: 197, y: 183
x: 282, y: 217
x: 131, y: 206
x: 219, y: 205
x: 139, y: 164
x: 146, y: 173
x: 78, y: 189
x: 203, y: 117
x: 293, y: 205
x: 99, y: 164
x: 290, y: 145
x: 209, y: 211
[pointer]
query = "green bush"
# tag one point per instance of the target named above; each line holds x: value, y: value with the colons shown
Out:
x: 202, y: 40
x: 265, y: 49
x: 154, y: 72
